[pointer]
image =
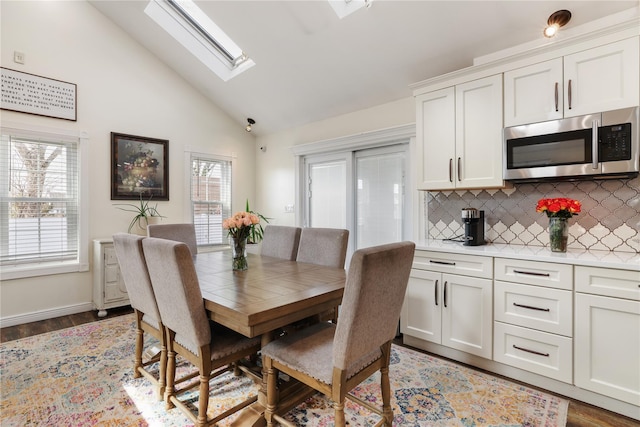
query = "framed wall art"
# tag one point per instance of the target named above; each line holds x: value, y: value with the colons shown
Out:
x: 32, y: 94
x: 139, y: 167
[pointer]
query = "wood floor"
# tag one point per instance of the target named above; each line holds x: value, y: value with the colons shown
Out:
x: 580, y: 414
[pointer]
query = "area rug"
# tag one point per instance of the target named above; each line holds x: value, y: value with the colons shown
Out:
x: 82, y: 376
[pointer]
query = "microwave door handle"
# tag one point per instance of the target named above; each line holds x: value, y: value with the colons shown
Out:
x: 594, y: 144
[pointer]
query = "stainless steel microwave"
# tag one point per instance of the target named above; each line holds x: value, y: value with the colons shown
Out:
x: 595, y: 145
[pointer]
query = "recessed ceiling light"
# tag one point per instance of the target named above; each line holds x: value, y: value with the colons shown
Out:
x: 556, y: 20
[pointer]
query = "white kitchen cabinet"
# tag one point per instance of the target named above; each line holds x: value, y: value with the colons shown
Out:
x: 108, y: 287
x: 607, y: 332
x: 533, y: 313
x: 600, y: 79
x: 449, y: 309
x: 459, y: 133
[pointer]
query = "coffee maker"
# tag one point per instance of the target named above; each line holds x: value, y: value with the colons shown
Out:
x: 473, y: 227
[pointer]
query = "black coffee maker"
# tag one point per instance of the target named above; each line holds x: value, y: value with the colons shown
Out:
x: 473, y: 227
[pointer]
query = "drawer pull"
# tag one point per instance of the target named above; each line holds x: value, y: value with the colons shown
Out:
x: 442, y: 262
x: 531, y: 273
x: 531, y: 351
x: 531, y: 307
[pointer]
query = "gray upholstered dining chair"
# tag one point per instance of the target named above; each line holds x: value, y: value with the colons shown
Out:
x: 324, y: 246
x: 334, y: 359
x: 189, y: 333
x: 280, y: 241
x: 185, y: 233
x: 135, y: 275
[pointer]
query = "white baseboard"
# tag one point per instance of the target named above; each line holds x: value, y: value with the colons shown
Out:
x: 45, y: 314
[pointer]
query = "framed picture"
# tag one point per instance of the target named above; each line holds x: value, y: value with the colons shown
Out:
x: 139, y: 167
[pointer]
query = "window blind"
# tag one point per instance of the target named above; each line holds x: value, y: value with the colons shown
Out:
x: 39, y: 200
x: 210, y: 198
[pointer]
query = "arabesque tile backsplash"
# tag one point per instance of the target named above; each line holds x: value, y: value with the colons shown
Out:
x: 610, y: 217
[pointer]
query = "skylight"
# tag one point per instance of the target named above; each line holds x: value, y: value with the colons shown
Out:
x: 194, y: 30
x: 343, y: 8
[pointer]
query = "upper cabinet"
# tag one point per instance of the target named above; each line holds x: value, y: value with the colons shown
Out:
x: 459, y: 135
x: 599, y: 79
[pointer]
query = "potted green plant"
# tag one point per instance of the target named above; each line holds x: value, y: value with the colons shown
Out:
x: 144, y: 214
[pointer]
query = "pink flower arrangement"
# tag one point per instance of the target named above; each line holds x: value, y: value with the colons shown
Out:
x: 241, y: 224
x: 559, y: 207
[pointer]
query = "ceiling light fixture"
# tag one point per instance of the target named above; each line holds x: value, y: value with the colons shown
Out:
x: 250, y: 122
x: 556, y: 20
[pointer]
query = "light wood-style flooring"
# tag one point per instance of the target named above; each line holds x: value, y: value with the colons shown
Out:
x: 580, y: 414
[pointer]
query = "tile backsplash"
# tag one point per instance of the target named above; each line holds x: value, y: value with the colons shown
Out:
x: 610, y: 217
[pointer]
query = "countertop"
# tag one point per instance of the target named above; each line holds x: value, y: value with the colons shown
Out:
x: 606, y: 259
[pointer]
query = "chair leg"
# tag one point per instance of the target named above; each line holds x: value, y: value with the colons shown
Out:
x: 338, y: 408
x: 385, y: 386
x: 162, y: 374
x: 171, y: 373
x: 272, y: 390
x: 137, y: 364
x: 203, y: 399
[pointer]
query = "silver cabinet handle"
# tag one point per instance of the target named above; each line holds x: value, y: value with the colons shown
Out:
x: 594, y: 144
x: 450, y: 170
x: 459, y: 167
x: 556, y: 96
x: 569, y: 92
x: 530, y: 351
x: 531, y: 307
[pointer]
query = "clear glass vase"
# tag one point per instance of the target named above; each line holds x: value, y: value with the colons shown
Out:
x: 239, y: 252
x: 558, y: 234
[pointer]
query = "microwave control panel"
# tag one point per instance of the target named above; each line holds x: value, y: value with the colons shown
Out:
x: 614, y: 142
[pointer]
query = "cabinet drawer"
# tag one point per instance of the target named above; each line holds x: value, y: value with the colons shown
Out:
x: 544, y: 309
x: 466, y: 265
x: 547, y: 274
x: 608, y: 282
x: 539, y: 352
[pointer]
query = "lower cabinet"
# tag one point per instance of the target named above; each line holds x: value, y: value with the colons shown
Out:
x: 607, y: 333
x: 449, y: 309
x: 108, y: 287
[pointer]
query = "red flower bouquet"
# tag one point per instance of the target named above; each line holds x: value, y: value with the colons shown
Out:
x: 559, y: 208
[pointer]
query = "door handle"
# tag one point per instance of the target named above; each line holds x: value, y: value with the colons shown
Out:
x: 435, y: 296
x: 450, y: 170
x: 594, y: 145
x: 445, y: 295
x: 459, y: 167
x: 569, y: 92
x: 556, y: 96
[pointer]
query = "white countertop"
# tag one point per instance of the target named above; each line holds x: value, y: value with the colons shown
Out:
x: 606, y: 259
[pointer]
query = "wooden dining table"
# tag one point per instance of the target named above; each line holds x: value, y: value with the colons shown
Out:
x: 271, y: 294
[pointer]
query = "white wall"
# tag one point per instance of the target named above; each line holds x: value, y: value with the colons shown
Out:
x: 275, y: 167
x: 121, y: 87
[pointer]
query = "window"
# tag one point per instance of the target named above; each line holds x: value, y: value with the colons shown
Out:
x: 196, y: 32
x: 42, y: 224
x: 210, y: 198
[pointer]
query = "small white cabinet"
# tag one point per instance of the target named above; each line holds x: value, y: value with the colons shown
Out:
x: 607, y: 332
x: 108, y: 287
x: 600, y: 79
x: 459, y: 133
x: 454, y: 310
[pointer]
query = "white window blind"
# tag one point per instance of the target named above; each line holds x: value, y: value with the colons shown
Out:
x: 210, y: 198
x: 39, y: 200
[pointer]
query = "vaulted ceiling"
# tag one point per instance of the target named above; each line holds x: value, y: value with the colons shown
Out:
x: 311, y: 65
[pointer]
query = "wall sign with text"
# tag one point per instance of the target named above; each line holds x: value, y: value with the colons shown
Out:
x: 28, y: 93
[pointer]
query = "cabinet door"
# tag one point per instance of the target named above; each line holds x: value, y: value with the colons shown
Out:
x: 607, y: 346
x: 602, y: 79
x: 435, y: 132
x: 534, y: 93
x: 478, y: 162
x: 467, y: 315
x: 421, y: 310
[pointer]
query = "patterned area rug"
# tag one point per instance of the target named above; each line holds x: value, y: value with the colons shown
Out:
x: 82, y: 376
